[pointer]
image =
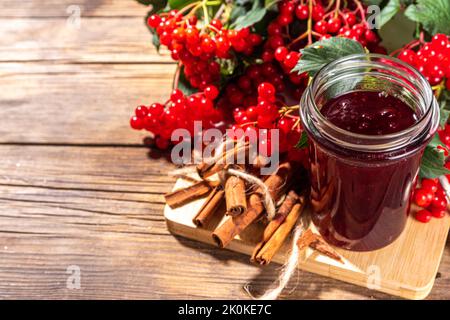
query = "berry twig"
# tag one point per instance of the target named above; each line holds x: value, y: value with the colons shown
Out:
x: 337, y: 10
x: 284, y: 111
x: 220, y: 11
x: 299, y: 38
x: 438, y: 89
x: 197, y: 6
x: 330, y: 4
x: 360, y: 8
x: 310, y: 22
x: 176, y: 77
x: 188, y: 7
x: 205, y: 13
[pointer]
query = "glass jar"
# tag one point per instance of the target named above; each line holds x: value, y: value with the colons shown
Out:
x: 361, y: 185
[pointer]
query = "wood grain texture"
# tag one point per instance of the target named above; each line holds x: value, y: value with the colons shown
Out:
x: 77, y: 104
x: 45, y: 64
x: 121, y: 40
x: 58, y: 8
x: 60, y: 207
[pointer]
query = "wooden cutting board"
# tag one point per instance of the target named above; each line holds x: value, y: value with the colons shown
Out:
x: 406, y: 268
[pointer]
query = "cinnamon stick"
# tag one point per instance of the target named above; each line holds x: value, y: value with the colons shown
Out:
x: 305, y: 239
x: 235, y: 225
x: 260, y: 162
x: 235, y: 196
x: 182, y: 196
x: 284, y: 210
x: 210, y: 206
x: 316, y: 242
x: 205, y: 169
x: 270, y: 248
x: 291, y: 199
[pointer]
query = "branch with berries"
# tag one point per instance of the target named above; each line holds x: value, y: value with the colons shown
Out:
x: 239, y: 50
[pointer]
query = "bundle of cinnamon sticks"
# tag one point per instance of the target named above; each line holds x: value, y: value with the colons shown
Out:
x: 279, y: 228
x: 235, y: 224
x: 246, y: 204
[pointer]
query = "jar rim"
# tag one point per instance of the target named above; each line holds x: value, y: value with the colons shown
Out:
x: 426, y: 90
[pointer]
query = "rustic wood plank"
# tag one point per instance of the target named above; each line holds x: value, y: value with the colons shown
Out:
x: 58, y: 8
x: 108, y: 169
x: 42, y: 42
x: 77, y: 104
x: 101, y: 209
x: 121, y: 40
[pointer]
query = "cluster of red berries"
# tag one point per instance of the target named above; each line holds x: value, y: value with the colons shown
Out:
x: 243, y: 90
x: 430, y: 196
x: 335, y: 22
x: 432, y: 59
x: 275, y: 48
x: 444, y: 136
x: 265, y: 115
x: 179, y: 112
x: 198, y: 49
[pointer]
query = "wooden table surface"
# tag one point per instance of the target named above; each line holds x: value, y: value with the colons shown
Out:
x: 77, y: 186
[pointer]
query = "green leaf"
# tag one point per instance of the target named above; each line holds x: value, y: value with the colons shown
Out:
x: 145, y: 2
x: 436, y: 141
x: 228, y: 66
x: 433, y: 15
x: 303, y: 142
x: 270, y: 3
x: 157, y: 5
x: 155, y: 40
x: 325, y: 51
x: 184, y: 85
x: 372, y: 2
x: 236, y: 12
x: 444, y: 114
x: 254, y: 15
x: 433, y: 160
x: 388, y: 12
x: 244, y: 2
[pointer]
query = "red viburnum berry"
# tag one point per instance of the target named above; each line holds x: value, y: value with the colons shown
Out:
x: 423, y: 216
x: 211, y: 92
x: 136, y: 123
x: 266, y: 91
x: 333, y: 25
x: 302, y: 12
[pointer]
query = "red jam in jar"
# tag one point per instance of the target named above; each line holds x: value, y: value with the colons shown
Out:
x: 369, y: 112
x: 368, y: 118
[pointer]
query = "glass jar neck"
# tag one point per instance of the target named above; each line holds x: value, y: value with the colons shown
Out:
x: 371, y: 72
